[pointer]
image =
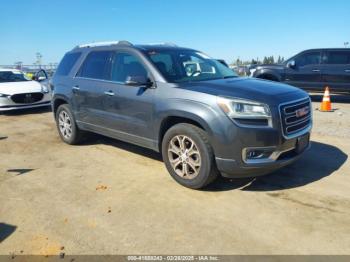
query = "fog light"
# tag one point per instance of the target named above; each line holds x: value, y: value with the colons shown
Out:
x: 258, y: 153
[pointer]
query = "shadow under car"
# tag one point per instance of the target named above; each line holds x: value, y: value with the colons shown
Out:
x: 320, y: 161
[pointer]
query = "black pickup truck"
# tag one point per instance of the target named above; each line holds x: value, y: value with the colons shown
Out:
x: 312, y: 70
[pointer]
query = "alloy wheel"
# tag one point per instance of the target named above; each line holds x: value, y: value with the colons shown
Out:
x: 65, y: 124
x: 184, y: 156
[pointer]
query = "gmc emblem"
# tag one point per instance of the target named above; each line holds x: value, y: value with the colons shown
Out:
x: 302, y: 111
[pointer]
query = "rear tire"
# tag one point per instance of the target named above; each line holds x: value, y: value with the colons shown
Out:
x: 66, y: 125
x: 188, y: 156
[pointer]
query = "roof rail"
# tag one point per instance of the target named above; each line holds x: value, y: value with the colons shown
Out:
x: 107, y: 43
x: 163, y: 43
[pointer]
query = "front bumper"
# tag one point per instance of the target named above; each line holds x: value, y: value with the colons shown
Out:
x: 286, y: 153
x: 6, y: 104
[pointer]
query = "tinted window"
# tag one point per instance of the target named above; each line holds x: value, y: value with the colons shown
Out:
x: 67, y: 63
x: 311, y: 58
x: 338, y: 57
x: 96, y: 65
x: 126, y: 65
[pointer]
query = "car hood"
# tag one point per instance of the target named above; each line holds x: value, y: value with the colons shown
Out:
x: 265, y: 91
x: 11, y: 88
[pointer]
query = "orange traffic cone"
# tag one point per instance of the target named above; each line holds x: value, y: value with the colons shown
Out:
x: 326, y: 101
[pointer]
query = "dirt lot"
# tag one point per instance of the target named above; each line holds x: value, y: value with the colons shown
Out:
x: 109, y: 197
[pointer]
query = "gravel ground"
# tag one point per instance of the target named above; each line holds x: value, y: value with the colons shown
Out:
x: 109, y: 197
x: 333, y: 123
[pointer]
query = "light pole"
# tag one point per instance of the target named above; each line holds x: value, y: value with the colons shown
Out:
x: 19, y: 65
x: 38, y: 59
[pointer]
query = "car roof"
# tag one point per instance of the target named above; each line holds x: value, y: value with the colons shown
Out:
x: 123, y: 43
x: 151, y: 47
x: 327, y: 49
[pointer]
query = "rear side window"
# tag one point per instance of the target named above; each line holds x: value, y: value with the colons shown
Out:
x: 67, y: 64
x: 97, y: 65
x: 338, y: 57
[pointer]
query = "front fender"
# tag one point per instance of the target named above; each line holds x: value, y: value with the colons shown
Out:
x: 210, y: 118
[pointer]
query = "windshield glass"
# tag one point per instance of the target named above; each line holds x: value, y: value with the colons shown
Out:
x: 188, y: 65
x: 12, y: 76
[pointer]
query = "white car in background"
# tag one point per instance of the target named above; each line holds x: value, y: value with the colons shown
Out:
x: 17, y: 91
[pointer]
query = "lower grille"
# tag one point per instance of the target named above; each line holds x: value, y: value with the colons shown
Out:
x: 295, y: 117
x: 27, y: 98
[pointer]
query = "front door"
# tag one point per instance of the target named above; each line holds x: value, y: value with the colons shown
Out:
x: 307, y: 71
x: 130, y: 108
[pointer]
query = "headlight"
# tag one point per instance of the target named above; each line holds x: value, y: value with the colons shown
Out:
x: 44, y: 89
x: 245, y: 111
x: 3, y: 95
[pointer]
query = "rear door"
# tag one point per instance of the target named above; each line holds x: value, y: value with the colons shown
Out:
x: 307, y: 71
x: 336, y: 71
x: 90, y: 87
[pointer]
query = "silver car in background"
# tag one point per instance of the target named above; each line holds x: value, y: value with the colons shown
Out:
x: 17, y: 91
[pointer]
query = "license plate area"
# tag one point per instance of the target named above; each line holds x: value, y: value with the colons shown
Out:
x: 302, y: 143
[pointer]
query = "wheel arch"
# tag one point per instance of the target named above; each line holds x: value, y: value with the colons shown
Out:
x: 268, y: 75
x: 57, y: 101
x: 181, y: 117
x: 173, y: 120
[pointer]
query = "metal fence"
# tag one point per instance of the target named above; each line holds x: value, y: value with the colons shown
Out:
x: 50, y: 68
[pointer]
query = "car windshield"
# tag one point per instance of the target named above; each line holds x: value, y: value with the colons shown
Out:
x: 12, y: 76
x: 178, y: 65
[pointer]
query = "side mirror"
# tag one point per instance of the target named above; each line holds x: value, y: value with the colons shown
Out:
x: 40, y: 76
x: 138, y: 81
x: 291, y: 64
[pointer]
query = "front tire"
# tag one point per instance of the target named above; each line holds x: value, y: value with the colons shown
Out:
x: 188, y: 156
x: 66, y: 125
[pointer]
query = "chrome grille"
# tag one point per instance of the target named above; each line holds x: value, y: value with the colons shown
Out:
x: 295, y: 117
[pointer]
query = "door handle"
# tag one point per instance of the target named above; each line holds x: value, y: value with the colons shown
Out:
x: 75, y: 88
x: 315, y: 70
x: 347, y: 70
x: 109, y: 93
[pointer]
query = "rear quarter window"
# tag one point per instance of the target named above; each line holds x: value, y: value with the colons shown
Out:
x: 338, y: 58
x: 67, y: 64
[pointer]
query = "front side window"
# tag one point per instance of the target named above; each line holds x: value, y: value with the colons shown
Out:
x: 96, y: 65
x: 178, y: 65
x: 67, y: 64
x: 312, y: 58
x: 12, y: 76
x: 126, y: 65
x: 338, y: 58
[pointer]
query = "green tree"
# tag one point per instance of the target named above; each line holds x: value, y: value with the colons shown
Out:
x: 266, y: 60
